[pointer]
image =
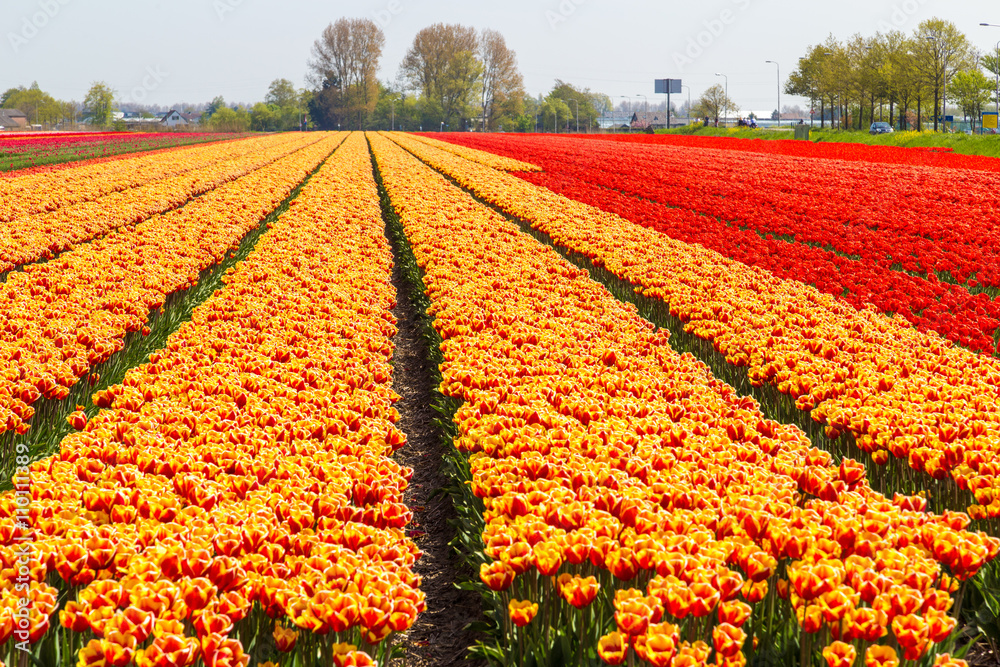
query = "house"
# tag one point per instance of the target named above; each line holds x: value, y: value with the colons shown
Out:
x: 173, y: 118
x: 643, y: 119
x: 11, y: 118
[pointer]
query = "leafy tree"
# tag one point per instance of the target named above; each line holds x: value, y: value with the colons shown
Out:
x: 442, y: 64
x: 502, y: 84
x: 343, y: 73
x: 265, y: 117
x: 36, y: 104
x: 7, y: 94
x: 578, y: 101
x: 714, y: 102
x: 971, y: 90
x: 282, y: 94
x: 100, y: 102
x: 991, y: 63
x: 230, y: 120
x: 555, y: 113
x: 217, y: 103
x: 940, y: 49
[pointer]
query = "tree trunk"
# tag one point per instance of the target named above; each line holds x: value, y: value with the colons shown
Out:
x: 920, y: 123
x: 936, y: 103
x: 822, y: 113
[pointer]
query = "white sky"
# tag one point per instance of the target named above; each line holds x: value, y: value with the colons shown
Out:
x: 168, y: 51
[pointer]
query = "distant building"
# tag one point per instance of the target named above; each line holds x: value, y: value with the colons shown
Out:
x: 644, y: 119
x: 173, y: 118
x: 13, y: 118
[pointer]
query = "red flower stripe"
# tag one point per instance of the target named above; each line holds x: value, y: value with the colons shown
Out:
x: 908, y: 220
x: 895, y: 388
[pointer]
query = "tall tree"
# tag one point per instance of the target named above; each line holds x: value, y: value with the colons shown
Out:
x: 940, y: 49
x: 580, y: 102
x: 282, y: 94
x: 971, y: 90
x: 714, y: 101
x: 100, y: 102
x: 443, y: 66
x: 502, y: 83
x: 343, y: 71
x: 555, y: 113
x: 218, y: 102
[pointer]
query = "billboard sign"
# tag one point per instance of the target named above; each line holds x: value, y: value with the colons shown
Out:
x: 667, y: 86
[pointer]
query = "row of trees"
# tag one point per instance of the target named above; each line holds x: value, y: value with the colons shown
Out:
x: 896, y: 77
x: 284, y: 108
x: 450, y: 75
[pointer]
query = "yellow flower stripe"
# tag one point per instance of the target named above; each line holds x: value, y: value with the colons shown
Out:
x: 41, y: 192
x: 30, y: 238
x: 598, y: 450
x: 894, y: 388
x: 65, y: 316
x: 484, y: 158
x: 245, y: 471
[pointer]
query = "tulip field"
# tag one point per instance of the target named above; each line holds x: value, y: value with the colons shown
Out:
x: 700, y: 403
x: 37, y: 151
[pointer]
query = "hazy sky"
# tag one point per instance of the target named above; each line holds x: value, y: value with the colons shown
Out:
x: 167, y: 51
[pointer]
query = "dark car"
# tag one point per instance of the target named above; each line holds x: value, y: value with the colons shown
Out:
x: 880, y: 128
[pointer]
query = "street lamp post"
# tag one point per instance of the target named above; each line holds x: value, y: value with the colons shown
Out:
x: 996, y: 65
x: 777, y: 70
x: 725, y: 116
x: 689, y: 102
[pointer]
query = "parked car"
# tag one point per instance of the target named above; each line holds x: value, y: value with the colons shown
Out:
x: 880, y: 128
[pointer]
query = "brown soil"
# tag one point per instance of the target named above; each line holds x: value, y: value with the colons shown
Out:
x: 438, y: 637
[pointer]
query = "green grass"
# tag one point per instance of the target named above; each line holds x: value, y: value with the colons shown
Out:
x: 965, y: 144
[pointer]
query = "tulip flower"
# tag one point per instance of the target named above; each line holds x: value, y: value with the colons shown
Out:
x: 839, y: 654
x: 727, y: 639
x: 579, y: 591
x: 613, y: 648
x: 881, y: 656
x: 522, y: 612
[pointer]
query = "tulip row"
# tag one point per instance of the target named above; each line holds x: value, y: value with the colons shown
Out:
x: 35, y: 152
x: 897, y: 390
x: 482, y: 157
x: 633, y: 504
x: 937, y: 157
x: 886, y: 236
x: 64, y: 317
x: 30, y: 238
x: 928, y: 304
x: 240, y: 482
x: 46, y: 192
